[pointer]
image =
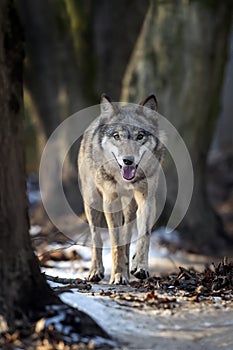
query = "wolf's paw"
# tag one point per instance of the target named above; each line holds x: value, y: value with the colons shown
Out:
x: 119, y: 278
x: 95, y: 275
x: 140, y: 273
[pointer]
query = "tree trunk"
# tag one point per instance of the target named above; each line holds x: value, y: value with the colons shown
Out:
x: 52, y: 68
x: 23, y: 288
x: 223, y: 140
x: 181, y: 55
x: 116, y: 26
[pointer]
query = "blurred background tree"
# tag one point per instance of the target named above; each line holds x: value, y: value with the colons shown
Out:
x: 77, y: 49
x: 23, y: 289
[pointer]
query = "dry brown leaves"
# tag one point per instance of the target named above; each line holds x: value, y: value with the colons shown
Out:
x: 188, y: 286
x: 214, y: 283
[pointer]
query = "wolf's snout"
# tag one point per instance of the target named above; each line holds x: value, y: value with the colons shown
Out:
x: 128, y: 160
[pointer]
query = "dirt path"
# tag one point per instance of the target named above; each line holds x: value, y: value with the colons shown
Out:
x: 169, y: 316
x: 191, y: 326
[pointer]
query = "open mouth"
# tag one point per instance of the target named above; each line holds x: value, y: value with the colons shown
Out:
x: 128, y: 172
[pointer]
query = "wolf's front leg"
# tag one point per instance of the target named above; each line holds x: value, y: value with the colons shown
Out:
x: 96, y: 272
x: 120, y: 265
x: 120, y: 259
x: 145, y: 220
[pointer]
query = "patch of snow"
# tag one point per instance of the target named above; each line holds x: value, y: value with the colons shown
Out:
x: 64, y: 270
x: 55, y: 319
x: 33, y: 190
x: 34, y: 197
x: 162, y: 235
x: 34, y: 230
x: 105, y: 311
x: 69, y: 332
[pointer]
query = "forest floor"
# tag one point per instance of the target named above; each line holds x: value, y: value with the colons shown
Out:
x: 145, y: 320
x: 187, y: 303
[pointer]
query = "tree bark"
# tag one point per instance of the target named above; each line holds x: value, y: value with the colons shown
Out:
x: 181, y: 55
x: 116, y: 26
x: 52, y: 68
x: 23, y: 288
x: 223, y: 140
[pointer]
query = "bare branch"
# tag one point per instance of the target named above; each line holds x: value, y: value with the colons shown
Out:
x: 70, y: 282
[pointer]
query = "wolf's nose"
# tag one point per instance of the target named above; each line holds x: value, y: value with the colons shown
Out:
x: 128, y: 160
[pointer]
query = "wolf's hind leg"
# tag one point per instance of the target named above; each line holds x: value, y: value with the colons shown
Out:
x: 96, y: 272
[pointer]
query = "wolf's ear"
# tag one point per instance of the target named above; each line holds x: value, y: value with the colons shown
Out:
x: 106, y: 105
x: 150, y: 102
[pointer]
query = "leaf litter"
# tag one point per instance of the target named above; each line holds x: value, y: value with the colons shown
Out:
x: 186, y: 288
x: 214, y: 285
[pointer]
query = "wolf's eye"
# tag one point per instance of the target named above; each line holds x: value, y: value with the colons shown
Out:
x: 116, y: 136
x: 140, y: 136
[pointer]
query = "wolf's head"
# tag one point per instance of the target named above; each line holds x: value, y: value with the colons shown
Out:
x: 129, y: 136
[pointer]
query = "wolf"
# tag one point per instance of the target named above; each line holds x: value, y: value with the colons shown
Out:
x: 119, y: 163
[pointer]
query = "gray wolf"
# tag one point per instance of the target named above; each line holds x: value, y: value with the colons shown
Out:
x: 119, y: 162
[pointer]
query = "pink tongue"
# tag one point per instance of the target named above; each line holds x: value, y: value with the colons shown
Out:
x: 128, y: 171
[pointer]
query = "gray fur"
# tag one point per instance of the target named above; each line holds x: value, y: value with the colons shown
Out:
x: 118, y: 161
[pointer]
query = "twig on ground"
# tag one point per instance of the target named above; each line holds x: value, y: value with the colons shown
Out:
x: 70, y: 282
